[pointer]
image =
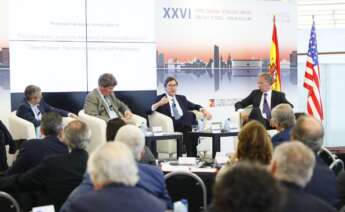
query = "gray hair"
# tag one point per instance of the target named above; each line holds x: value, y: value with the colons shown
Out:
x: 113, y: 163
x: 51, y: 123
x: 267, y: 76
x: 30, y: 91
x: 309, y: 131
x: 283, y: 116
x: 106, y: 80
x: 77, y: 134
x: 133, y: 137
x: 294, y: 162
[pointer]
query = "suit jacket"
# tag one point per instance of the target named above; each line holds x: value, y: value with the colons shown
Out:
x: 32, y: 152
x: 281, y: 137
x: 299, y: 201
x: 24, y: 111
x: 55, y: 177
x: 183, y: 102
x: 341, y: 188
x: 95, y: 106
x: 254, y: 99
x: 151, y: 179
x: 115, y: 197
x: 323, y: 183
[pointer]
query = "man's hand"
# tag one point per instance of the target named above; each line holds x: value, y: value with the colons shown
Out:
x: 244, y: 116
x: 72, y: 115
x: 164, y: 100
x: 206, y: 114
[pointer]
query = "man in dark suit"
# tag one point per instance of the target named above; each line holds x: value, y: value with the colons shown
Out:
x: 56, y: 176
x: 151, y: 178
x: 292, y: 164
x: 283, y: 119
x: 310, y: 131
x: 263, y: 100
x: 114, y: 174
x: 32, y: 152
x: 33, y: 106
x: 180, y: 110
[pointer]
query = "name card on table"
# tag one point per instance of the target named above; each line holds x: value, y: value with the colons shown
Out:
x: 48, y: 208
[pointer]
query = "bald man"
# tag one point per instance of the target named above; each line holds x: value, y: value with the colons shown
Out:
x: 310, y: 131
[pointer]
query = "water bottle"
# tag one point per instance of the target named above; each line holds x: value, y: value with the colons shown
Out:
x: 181, y: 206
x: 201, y: 125
x: 227, y: 124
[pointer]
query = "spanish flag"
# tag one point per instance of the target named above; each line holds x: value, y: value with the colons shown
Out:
x: 274, y: 68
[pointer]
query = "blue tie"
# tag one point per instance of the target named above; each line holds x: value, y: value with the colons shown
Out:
x: 266, y: 108
x: 176, y: 114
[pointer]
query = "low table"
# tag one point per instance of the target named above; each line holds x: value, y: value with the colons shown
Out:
x: 151, y: 141
x: 215, y: 138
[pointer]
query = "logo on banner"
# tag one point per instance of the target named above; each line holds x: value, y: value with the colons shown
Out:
x: 177, y: 13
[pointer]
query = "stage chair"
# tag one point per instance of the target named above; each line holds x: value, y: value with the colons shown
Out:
x: 98, y: 128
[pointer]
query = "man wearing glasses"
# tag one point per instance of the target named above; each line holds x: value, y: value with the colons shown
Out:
x: 33, y: 106
x: 180, y: 110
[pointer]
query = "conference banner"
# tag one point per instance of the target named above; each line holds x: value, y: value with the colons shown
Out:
x: 217, y: 48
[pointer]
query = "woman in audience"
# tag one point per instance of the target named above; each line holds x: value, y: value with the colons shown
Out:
x: 254, y: 144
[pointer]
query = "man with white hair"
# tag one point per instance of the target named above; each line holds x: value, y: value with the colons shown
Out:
x: 262, y: 100
x: 293, y: 163
x: 283, y: 119
x: 309, y: 131
x: 56, y: 176
x: 114, y: 174
x: 151, y: 179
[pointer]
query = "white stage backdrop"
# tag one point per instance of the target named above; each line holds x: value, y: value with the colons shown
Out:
x: 64, y: 46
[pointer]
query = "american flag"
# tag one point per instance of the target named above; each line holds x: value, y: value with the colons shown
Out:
x: 312, y: 78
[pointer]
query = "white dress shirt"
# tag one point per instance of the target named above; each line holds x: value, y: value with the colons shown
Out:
x: 36, y: 111
x: 268, y: 97
x: 170, y: 98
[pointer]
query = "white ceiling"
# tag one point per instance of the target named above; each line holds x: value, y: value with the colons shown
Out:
x: 328, y: 13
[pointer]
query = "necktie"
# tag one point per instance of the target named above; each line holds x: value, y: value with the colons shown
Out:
x: 110, y: 105
x: 176, y: 114
x: 266, y: 108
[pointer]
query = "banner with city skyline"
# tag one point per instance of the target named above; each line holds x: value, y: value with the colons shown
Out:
x: 219, y: 47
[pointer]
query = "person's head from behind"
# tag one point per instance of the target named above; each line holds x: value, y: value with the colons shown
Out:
x: 293, y: 162
x: 134, y: 138
x: 113, y: 127
x: 265, y: 81
x: 309, y: 131
x: 51, y: 124
x: 283, y: 117
x: 77, y: 135
x: 112, y: 163
x: 247, y: 187
x: 254, y: 143
x: 170, y: 85
x: 33, y: 94
x: 106, y: 84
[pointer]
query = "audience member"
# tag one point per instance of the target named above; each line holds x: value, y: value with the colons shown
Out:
x: 246, y: 187
x: 151, y: 179
x: 113, y: 126
x: 114, y: 174
x: 32, y: 152
x: 283, y: 119
x: 56, y: 176
x: 309, y: 131
x: 5, y: 139
x: 254, y: 144
x: 293, y: 165
x: 33, y: 106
